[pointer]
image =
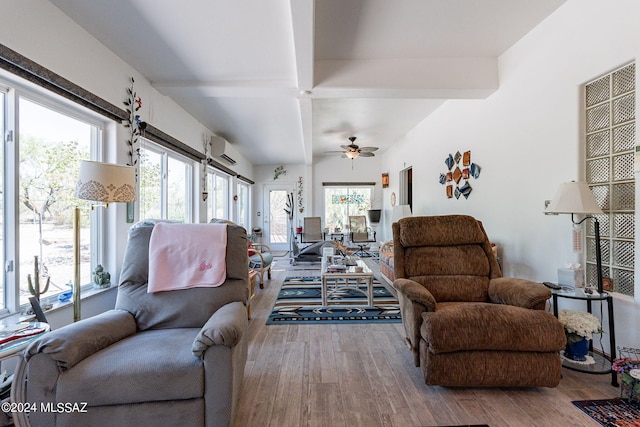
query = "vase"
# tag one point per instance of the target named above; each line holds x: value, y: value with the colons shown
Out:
x: 577, y: 350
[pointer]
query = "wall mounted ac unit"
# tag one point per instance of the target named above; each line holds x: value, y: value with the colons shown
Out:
x: 220, y: 147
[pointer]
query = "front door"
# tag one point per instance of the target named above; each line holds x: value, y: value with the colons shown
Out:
x: 277, y: 228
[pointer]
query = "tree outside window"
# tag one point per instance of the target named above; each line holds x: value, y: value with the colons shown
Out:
x: 342, y: 202
x: 51, y: 146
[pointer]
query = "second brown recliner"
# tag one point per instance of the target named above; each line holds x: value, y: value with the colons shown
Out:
x: 465, y: 324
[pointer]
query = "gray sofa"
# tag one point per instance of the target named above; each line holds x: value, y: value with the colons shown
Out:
x: 171, y: 358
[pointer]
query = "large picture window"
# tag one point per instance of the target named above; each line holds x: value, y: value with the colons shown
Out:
x: 45, y: 139
x: 51, y: 145
x: 3, y: 131
x: 340, y: 202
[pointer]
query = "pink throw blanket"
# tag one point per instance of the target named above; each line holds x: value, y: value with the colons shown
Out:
x: 184, y: 256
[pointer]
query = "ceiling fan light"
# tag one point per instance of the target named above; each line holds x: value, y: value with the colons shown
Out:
x: 351, y: 154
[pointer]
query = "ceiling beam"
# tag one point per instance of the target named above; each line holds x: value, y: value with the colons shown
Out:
x: 230, y: 89
x: 306, y: 120
x: 435, y: 78
x: 302, y: 19
x: 303, y: 24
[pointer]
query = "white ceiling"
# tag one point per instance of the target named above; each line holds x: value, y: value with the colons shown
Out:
x: 287, y: 80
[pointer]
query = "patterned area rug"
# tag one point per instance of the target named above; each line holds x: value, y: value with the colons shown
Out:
x: 300, y: 301
x: 611, y: 412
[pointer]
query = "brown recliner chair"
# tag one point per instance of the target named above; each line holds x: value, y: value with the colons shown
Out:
x: 464, y: 322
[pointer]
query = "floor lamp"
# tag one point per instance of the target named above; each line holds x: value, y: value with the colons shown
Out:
x: 102, y: 183
x: 577, y: 198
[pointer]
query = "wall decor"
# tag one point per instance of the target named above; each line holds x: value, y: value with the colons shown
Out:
x: 133, y: 103
x: 456, y: 179
x: 385, y: 180
x: 300, y: 199
x: 279, y: 171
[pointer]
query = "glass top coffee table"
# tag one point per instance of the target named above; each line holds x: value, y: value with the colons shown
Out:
x: 357, y: 277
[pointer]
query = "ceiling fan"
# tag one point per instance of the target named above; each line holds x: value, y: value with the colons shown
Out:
x: 352, y: 151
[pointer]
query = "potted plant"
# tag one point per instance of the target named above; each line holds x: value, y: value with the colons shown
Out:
x: 628, y: 366
x: 579, y: 327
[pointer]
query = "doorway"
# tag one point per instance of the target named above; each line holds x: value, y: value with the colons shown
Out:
x: 276, y: 222
x: 406, y: 187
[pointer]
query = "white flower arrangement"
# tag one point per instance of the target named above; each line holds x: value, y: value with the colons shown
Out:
x: 635, y: 373
x: 579, y: 324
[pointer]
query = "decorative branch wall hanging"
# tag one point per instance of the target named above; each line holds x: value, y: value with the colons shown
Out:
x: 300, y: 199
x: 206, y: 141
x: 456, y: 180
x: 133, y: 103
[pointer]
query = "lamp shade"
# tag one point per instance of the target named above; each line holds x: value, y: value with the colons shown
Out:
x: 106, y: 182
x: 400, y: 211
x: 574, y: 197
x: 352, y: 154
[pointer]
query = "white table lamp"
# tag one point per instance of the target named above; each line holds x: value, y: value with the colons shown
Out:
x: 577, y: 198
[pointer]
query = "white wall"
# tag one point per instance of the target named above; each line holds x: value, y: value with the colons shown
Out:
x: 527, y: 138
x: 324, y: 169
x: 39, y: 31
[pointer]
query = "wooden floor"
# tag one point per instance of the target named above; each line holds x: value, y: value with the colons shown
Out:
x: 363, y: 375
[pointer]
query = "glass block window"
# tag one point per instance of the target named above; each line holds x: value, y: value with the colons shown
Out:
x: 610, y: 128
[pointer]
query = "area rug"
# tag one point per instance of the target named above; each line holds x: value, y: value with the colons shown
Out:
x: 300, y: 301
x: 611, y: 412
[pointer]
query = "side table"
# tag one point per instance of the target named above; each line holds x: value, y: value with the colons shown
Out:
x: 252, y: 290
x: 602, y: 363
x: 15, y: 349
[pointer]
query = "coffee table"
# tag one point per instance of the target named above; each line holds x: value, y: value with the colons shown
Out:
x: 356, y: 277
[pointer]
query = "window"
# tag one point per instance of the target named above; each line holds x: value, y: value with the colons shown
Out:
x: 150, y: 177
x: 218, y: 202
x: 45, y: 139
x: 341, y: 202
x: 3, y: 132
x: 610, y: 142
x: 244, y: 205
x: 165, y: 184
x: 178, y: 189
x: 51, y: 145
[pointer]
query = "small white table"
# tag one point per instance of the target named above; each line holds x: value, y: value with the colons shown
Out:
x: 360, y: 281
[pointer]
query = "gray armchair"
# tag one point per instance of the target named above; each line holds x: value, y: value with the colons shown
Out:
x: 172, y: 358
